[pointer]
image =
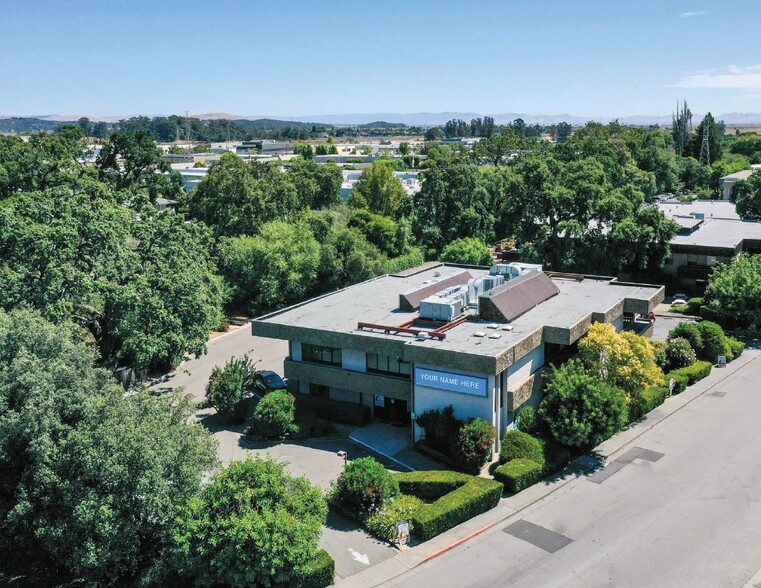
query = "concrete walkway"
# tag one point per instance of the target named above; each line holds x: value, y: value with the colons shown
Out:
x: 394, y: 444
x: 511, y: 506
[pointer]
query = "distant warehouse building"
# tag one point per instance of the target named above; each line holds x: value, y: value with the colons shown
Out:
x: 443, y: 335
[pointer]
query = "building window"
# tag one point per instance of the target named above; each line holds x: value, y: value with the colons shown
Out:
x: 383, y: 364
x: 320, y: 354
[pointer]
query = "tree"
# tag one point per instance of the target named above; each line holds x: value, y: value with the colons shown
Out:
x: 274, y: 416
x: 467, y: 251
x: 474, y: 444
x: 624, y: 360
x: 681, y: 127
x: 734, y: 291
x: 381, y: 189
x: 746, y: 194
x: 252, y: 525
x: 278, y: 266
x: 229, y: 386
x: 318, y: 185
x: 581, y: 410
x: 91, y: 478
x: 711, y: 152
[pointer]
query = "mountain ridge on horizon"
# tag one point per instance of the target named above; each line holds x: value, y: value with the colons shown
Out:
x: 425, y: 118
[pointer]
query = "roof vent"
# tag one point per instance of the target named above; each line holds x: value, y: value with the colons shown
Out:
x: 479, y: 334
x: 507, y: 328
x: 421, y: 336
x: 493, y: 326
x: 495, y: 335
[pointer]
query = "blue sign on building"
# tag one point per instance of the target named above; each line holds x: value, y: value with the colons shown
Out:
x: 451, y: 382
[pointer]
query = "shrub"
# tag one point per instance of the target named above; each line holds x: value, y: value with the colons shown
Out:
x: 471, y: 497
x: 431, y: 485
x: 519, y: 474
x: 679, y: 354
x: 337, y: 411
x: 690, y: 332
x: 319, y: 573
x: 659, y: 347
x: 681, y: 381
x: 714, y: 341
x: 474, y: 444
x: 363, y: 487
x: 693, y: 306
x: 692, y: 374
x: 441, y: 429
x: 581, y: 410
x: 381, y: 523
x: 520, y: 445
x: 228, y: 388
x: 556, y: 456
x: 735, y: 348
x: 468, y: 251
x: 646, y: 400
x: 273, y: 417
x: 527, y: 421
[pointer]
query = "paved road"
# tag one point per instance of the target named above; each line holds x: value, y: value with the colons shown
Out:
x: 681, y: 508
x: 194, y: 374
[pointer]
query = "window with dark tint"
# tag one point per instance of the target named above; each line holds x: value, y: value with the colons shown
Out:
x: 320, y: 354
x: 383, y: 364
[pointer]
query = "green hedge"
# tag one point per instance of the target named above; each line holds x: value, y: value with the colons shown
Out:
x: 318, y: 574
x: 646, y: 401
x: 734, y: 348
x: 470, y: 497
x: 519, y: 474
x: 551, y: 455
x: 338, y: 411
x: 432, y: 484
x: 691, y: 374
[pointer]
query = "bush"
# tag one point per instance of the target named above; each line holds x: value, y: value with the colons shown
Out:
x: 679, y: 354
x: 659, y: 347
x: 363, y: 487
x: 714, y: 341
x: 556, y: 456
x: 527, y: 421
x: 520, y: 445
x: 581, y: 410
x: 472, y: 497
x: 692, y: 374
x: 381, y: 523
x: 693, y: 306
x: 690, y: 332
x: 735, y: 348
x: 646, y: 400
x: 441, y: 429
x: 228, y: 388
x: 519, y: 474
x: 337, y: 411
x: 273, y: 417
x: 317, y: 574
x: 474, y: 444
x: 468, y: 251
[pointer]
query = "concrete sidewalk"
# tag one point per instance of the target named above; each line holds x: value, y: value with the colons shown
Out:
x: 511, y: 506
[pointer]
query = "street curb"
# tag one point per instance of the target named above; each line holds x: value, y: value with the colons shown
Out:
x: 386, y: 455
x: 568, y: 477
x: 457, y: 543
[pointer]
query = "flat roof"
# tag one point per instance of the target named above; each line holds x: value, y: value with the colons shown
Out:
x: 709, y: 208
x: 728, y: 234
x: 377, y: 301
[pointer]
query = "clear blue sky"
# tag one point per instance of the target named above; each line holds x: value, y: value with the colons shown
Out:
x: 291, y: 58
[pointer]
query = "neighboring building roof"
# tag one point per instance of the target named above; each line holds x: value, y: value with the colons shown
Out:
x: 709, y: 208
x: 720, y: 233
x: 741, y: 175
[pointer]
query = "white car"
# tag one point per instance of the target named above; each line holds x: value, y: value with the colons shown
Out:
x: 679, y: 299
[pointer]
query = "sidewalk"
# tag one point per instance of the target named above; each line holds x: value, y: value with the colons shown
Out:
x: 513, y: 505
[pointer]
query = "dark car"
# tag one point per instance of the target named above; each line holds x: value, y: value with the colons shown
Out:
x: 267, y: 381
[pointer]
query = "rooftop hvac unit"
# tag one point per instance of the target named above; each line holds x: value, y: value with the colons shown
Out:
x: 436, y: 308
x: 478, y: 286
x: 513, y: 270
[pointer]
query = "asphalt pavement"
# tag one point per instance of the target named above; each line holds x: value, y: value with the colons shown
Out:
x: 680, y: 505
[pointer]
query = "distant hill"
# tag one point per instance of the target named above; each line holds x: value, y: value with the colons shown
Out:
x: 271, y: 124
x: 381, y: 124
x: 17, y: 124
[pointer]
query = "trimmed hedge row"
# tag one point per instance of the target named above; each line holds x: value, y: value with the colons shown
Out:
x: 646, y: 401
x: 735, y: 348
x: 338, y: 411
x: 687, y: 376
x: 519, y: 445
x: 467, y: 497
x: 519, y: 474
x: 319, y: 573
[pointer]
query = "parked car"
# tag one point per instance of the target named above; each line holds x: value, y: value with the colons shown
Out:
x: 267, y: 381
x: 679, y: 298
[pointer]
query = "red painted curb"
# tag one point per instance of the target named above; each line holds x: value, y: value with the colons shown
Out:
x: 457, y: 543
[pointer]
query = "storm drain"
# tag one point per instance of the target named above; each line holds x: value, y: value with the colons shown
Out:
x: 538, y: 536
x: 719, y: 394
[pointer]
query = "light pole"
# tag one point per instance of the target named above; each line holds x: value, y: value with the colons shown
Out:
x: 345, y: 456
